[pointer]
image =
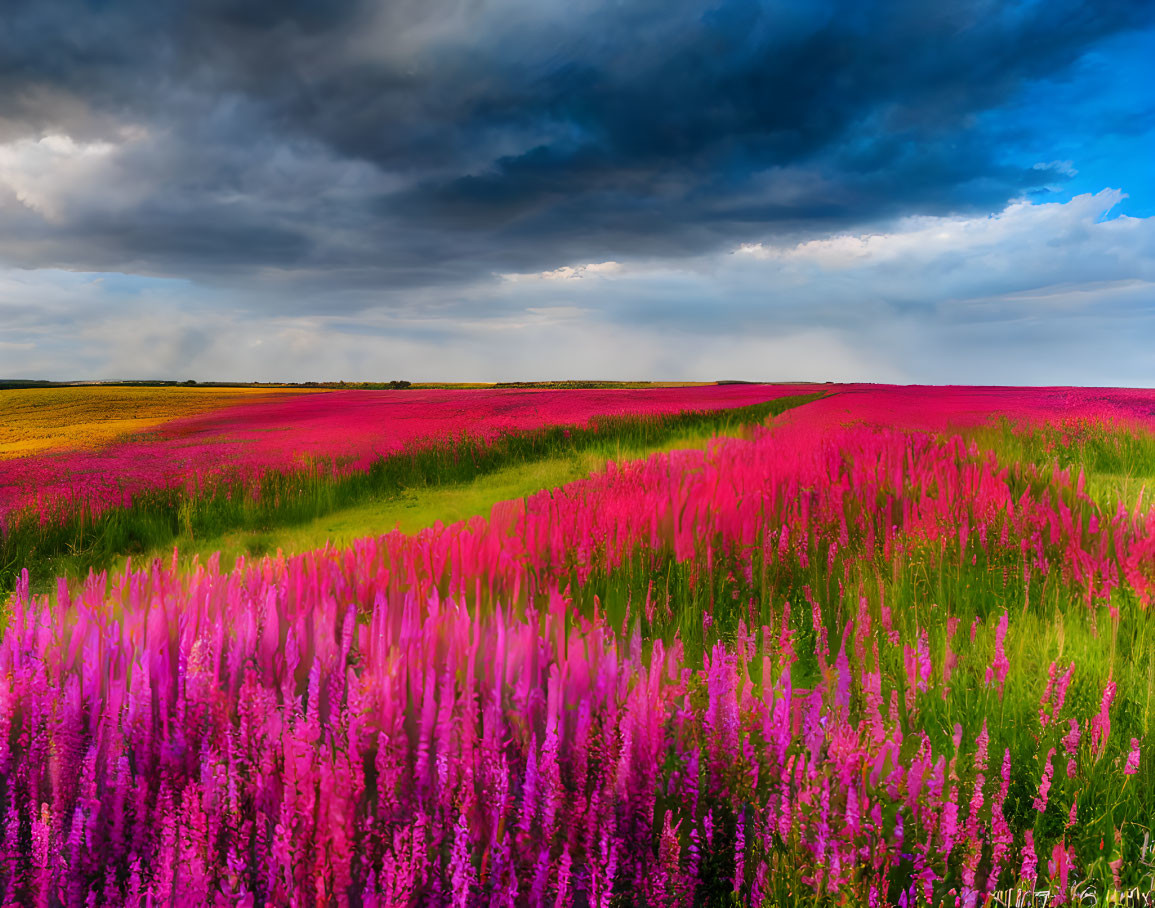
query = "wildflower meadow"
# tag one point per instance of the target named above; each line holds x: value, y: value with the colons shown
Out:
x: 861, y: 645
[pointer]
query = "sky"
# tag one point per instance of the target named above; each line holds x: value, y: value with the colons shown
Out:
x: 960, y: 191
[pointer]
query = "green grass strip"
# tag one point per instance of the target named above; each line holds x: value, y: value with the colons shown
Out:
x: 159, y: 519
x: 1118, y: 461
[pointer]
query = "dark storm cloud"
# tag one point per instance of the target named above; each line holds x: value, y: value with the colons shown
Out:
x: 404, y: 144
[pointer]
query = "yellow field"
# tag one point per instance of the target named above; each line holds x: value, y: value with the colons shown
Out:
x: 52, y: 419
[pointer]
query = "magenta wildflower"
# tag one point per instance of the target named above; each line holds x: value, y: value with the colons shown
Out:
x: 1001, y: 836
x: 1044, y: 716
x: 1101, y: 723
x: 982, y: 743
x: 950, y: 822
x: 1061, y: 689
x: 740, y: 853
x: 1059, y: 868
x: 1040, y: 802
x: 998, y: 669
x: 664, y: 886
x: 888, y: 625
x: 1071, y: 739
x: 842, y: 667
x: 1132, y: 766
x: 1028, y: 872
x: 950, y: 660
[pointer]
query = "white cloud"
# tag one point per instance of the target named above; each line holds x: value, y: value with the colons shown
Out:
x: 54, y: 172
x: 1063, y: 168
x: 1070, y: 250
x: 1035, y: 294
x: 567, y: 272
x: 923, y: 239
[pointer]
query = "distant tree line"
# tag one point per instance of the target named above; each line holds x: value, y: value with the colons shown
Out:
x: 16, y: 383
x: 399, y: 385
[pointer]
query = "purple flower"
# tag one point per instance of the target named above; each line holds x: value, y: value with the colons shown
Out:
x: 1040, y: 802
x: 1132, y: 766
x: 1028, y: 871
x: 1071, y: 739
x: 1101, y: 724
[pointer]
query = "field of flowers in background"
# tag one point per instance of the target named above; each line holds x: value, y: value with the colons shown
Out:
x: 38, y: 420
x: 892, y: 647
x: 283, y: 459
x: 199, y: 442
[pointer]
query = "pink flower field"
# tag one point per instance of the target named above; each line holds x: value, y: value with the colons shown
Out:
x: 934, y: 408
x: 842, y: 661
x: 351, y: 429
x: 346, y: 428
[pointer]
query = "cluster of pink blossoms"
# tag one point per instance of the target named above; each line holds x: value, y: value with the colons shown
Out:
x: 434, y: 718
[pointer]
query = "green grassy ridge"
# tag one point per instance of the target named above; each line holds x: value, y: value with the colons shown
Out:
x: 411, y: 510
x: 158, y: 519
x: 1118, y: 461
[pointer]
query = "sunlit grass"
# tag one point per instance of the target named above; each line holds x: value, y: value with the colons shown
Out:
x: 241, y: 517
x: 1118, y: 461
x: 36, y: 420
x: 411, y: 510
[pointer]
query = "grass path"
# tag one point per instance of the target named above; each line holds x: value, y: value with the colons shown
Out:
x: 415, y: 509
x: 306, y: 507
x: 1121, y: 466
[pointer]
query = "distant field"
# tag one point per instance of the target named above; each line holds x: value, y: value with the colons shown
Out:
x: 37, y: 420
x: 568, y: 384
x: 199, y: 436
x: 263, y: 460
x: 422, y: 505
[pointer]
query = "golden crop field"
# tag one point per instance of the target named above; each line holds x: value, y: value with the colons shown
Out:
x: 52, y: 419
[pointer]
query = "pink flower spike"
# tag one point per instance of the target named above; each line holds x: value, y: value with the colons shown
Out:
x: 1028, y: 871
x: 1044, y: 716
x: 982, y: 743
x: 1061, y: 689
x: 1040, y: 802
x: 1001, y: 665
x: 1132, y: 766
x: 1071, y: 738
x: 1101, y: 724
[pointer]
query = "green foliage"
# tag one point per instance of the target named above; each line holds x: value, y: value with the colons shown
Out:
x: 81, y: 541
x: 1118, y: 461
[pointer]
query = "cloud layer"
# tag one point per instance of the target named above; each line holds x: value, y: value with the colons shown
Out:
x: 593, y: 187
x: 431, y: 142
x: 1051, y: 294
